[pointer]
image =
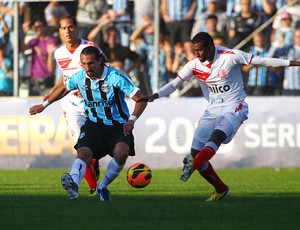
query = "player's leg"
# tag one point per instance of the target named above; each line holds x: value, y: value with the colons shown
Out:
x: 210, y: 148
x: 92, y: 175
x: 75, y: 118
x: 121, y: 147
x: 209, y: 174
x: 95, y: 165
x: 114, y: 168
x: 91, y: 178
x: 202, y: 133
x: 202, y: 164
x: 214, y: 128
x: 227, y: 126
x: 85, y: 148
x: 71, y: 181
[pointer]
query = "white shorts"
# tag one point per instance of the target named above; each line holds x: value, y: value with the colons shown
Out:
x: 73, y: 111
x: 226, y: 118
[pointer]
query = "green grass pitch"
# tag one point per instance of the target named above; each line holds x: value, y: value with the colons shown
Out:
x: 260, y: 199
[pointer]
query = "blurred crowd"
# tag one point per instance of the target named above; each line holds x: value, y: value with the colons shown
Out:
x: 124, y: 30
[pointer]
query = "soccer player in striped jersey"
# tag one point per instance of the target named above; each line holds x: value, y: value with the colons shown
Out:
x: 218, y: 72
x: 108, y: 127
x: 68, y: 59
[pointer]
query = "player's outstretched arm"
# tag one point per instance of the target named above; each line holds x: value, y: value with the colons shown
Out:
x: 137, y: 112
x: 294, y: 63
x: 163, y: 91
x: 148, y: 98
x: 59, y: 84
x: 57, y: 92
x: 138, y: 107
x: 33, y: 110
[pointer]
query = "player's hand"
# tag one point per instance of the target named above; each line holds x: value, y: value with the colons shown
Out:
x: 77, y: 94
x: 36, y: 109
x: 148, y: 98
x: 128, y: 127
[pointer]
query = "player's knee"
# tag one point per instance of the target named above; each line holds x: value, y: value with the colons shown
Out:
x: 121, y: 157
x: 121, y: 153
x: 218, y: 137
x: 85, y: 154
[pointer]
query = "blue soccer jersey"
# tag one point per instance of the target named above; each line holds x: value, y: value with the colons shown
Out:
x: 104, y: 98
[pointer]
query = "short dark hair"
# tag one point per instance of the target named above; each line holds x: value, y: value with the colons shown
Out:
x: 204, y: 38
x: 212, y: 16
x: 94, y: 50
x: 111, y: 28
x: 73, y: 19
x: 41, y: 20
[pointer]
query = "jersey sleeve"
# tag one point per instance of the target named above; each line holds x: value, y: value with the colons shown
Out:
x: 243, y: 57
x: 169, y: 87
x: 70, y: 85
x: 124, y: 83
x: 186, y: 72
x: 74, y: 81
x: 270, y: 62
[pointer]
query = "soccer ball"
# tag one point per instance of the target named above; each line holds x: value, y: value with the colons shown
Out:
x: 139, y: 175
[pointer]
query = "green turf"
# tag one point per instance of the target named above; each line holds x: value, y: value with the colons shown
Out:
x: 261, y: 199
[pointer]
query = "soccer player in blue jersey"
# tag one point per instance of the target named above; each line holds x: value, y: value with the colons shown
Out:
x: 108, y: 127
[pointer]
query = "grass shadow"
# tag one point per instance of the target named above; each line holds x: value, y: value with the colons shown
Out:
x: 150, y: 212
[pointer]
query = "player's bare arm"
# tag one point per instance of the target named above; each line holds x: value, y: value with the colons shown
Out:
x: 58, y: 84
x: 57, y: 92
x: 294, y: 63
x: 137, y: 111
x: 150, y: 98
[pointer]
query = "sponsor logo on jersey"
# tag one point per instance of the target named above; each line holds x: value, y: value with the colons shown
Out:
x: 64, y: 63
x: 200, y: 74
x: 219, y: 88
x: 105, y: 88
x: 101, y: 103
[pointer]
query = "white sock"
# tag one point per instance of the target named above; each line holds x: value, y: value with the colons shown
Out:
x: 78, y: 170
x: 113, y: 170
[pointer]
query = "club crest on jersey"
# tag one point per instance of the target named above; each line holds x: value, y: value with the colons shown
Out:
x: 104, y: 88
x: 222, y: 73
